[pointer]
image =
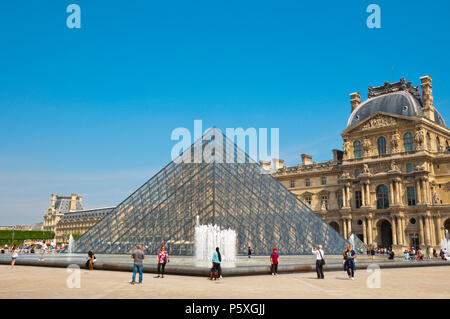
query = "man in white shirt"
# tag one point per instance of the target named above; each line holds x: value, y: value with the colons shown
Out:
x: 319, y: 261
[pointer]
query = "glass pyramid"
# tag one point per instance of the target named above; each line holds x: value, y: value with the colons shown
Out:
x: 226, y: 188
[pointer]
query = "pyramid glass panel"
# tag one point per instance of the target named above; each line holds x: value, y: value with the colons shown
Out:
x: 220, y: 183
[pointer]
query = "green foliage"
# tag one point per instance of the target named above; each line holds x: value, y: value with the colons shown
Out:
x: 21, y: 235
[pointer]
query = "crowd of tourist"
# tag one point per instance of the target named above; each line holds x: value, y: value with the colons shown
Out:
x: 348, y: 258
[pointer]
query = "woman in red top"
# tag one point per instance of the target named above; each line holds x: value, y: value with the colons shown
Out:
x: 163, y: 258
x: 274, y: 262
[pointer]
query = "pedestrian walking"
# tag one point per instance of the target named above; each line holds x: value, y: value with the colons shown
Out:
x: 138, y: 265
x: 274, y: 262
x: 372, y: 253
x: 249, y: 253
x: 163, y: 259
x: 349, y: 262
x: 14, y: 255
x: 320, y: 261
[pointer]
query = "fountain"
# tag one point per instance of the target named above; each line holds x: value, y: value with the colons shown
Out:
x: 356, y: 243
x: 70, y: 247
x: 445, y: 242
x: 208, y: 237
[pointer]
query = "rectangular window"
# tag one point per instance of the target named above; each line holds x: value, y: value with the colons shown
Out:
x: 308, y: 200
x: 409, y: 167
x: 292, y: 183
x: 324, y: 180
x: 358, y: 199
x: 410, y: 192
x: 357, y: 173
x: 307, y: 182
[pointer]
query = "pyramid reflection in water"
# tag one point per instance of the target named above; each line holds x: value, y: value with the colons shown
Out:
x: 228, y: 190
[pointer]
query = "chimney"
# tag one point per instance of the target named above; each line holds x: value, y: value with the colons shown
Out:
x: 355, y: 100
x: 427, y: 97
x: 337, y: 155
x: 52, y: 205
x: 73, y: 202
x: 277, y: 163
x: 264, y: 165
x: 306, y: 159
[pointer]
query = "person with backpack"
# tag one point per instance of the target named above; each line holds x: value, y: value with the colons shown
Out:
x: 349, y: 262
x: 216, y: 260
x: 163, y: 259
x: 320, y: 262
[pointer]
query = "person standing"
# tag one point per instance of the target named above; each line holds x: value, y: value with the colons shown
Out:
x: 43, y: 249
x: 138, y: 265
x: 372, y: 252
x: 216, y: 260
x: 319, y: 261
x: 14, y: 256
x: 163, y: 259
x: 249, y: 253
x: 349, y: 262
x: 274, y: 262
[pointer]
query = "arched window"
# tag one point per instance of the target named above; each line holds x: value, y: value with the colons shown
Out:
x: 357, y: 149
x: 382, y: 197
x: 409, y: 142
x: 381, y: 146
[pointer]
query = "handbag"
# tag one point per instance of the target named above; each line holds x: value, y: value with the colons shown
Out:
x: 323, y: 260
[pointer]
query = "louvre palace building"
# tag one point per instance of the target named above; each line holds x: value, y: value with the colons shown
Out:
x: 390, y: 184
x: 67, y: 215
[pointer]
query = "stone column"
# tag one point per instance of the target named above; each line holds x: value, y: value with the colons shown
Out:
x: 349, y: 227
x: 344, y: 201
x: 345, y: 228
x: 348, y: 196
x: 421, y: 232
x: 363, y: 194
x: 398, y: 192
x: 400, y: 230
x: 364, y: 220
x: 423, y: 188
x: 438, y: 230
x: 419, y: 193
x: 368, y: 203
x: 391, y: 193
x: 394, y: 231
x: 370, y: 230
x: 432, y: 231
x: 427, y: 231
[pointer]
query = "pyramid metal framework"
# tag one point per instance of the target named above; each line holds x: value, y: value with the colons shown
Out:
x: 226, y: 188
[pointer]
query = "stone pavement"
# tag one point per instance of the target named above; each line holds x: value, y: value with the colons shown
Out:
x: 42, y: 282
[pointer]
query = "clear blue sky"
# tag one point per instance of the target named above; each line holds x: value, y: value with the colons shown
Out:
x: 90, y: 111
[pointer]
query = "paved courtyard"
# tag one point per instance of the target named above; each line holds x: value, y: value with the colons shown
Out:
x: 42, y: 282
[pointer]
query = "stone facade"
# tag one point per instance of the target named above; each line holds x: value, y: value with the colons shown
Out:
x: 78, y: 222
x: 60, y: 205
x: 66, y: 215
x: 391, y: 183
